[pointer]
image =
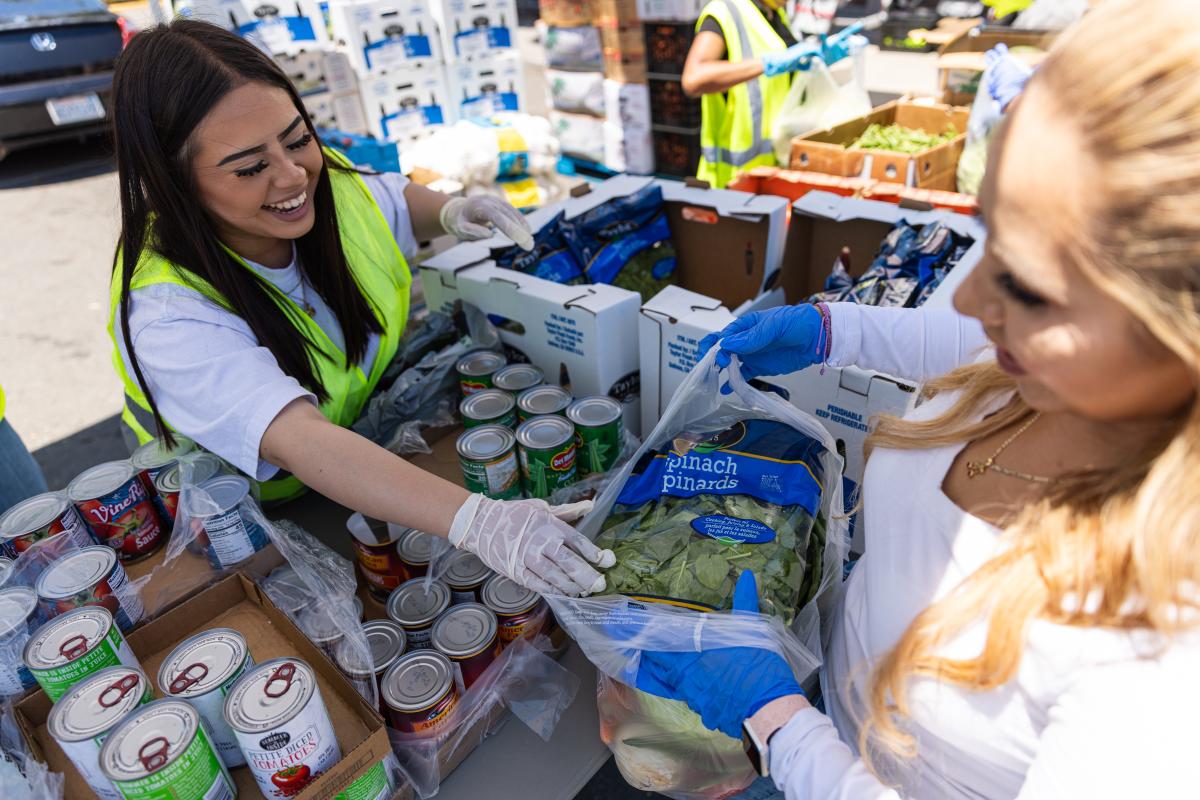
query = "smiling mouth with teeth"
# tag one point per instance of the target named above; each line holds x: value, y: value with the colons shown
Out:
x: 289, y: 205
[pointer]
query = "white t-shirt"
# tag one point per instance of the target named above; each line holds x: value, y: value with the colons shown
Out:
x: 209, y: 376
x: 1087, y: 715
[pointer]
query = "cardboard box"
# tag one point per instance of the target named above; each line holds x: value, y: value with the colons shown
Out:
x: 484, y: 85
x: 236, y: 602
x: 280, y: 26
x: 794, y: 184
x: 670, y: 10
x: 316, y: 71
x: 628, y: 148
x: 625, y: 66
x: 960, y: 61
x: 574, y: 48
x: 405, y: 103
x: 475, y: 27
x: 337, y: 112
x: 579, y: 135
x: 624, y: 35
x: 829, y: 150
x: 620, y: 10
x: 566, y: 13
x: 385, y: 34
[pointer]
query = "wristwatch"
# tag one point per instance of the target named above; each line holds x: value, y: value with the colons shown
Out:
x: 765, y: 723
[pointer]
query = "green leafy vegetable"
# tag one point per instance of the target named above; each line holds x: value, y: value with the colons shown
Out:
x: 899, y: 139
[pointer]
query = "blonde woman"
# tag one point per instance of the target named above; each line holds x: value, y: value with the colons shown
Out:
x: 1023, y: 623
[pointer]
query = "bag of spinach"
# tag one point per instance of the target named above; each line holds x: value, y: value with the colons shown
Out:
x: 726, y: 482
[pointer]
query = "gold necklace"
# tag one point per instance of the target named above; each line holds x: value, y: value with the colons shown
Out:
x: 977, y: 468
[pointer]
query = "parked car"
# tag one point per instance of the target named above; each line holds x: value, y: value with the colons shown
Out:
x: 56, y: 63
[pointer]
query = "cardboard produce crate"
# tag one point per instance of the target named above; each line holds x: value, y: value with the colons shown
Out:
x: 794, y: 184
x: 960, y: 61
x: 566, y: 13
x: 829, y: 150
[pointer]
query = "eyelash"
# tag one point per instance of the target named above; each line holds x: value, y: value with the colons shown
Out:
x: 299, y: 144
x: 1022, y: 296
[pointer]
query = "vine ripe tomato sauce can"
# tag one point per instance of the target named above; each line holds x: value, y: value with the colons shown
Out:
x: 18, y: 619
x: 376, y: 546
x: 475, y: 370
x: 419, y: 693
x: 468, y: 635
x: 89, y: 577
x: 82, y: 719
x: 117, y: 508
x: 277, y: 714
x: 73, y: 646
x: 162, y: 750
x: 42, y: 517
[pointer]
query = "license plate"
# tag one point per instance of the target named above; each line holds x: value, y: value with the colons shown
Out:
x: 75, y: 109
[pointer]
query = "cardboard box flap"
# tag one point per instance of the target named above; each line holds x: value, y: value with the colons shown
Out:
x: 675, y: 302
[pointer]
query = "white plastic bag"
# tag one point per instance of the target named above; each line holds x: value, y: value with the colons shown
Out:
x: 1050, y: 15
x: 576, y: 92
x: 23, y: 777
x: 816, y: 101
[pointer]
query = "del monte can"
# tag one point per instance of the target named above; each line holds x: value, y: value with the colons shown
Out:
x: 547, y: 449
x: 488, y: 407
x: 475, y: 370
x: 516, y: 378
x: 598, y: 423
x: 488, y: 458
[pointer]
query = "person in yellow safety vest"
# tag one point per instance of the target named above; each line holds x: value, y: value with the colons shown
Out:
x: 20, y: 475
x: 260, y: 289
x: 740, y: 65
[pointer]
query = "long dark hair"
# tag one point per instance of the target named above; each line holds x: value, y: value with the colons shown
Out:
x: 166, y: 81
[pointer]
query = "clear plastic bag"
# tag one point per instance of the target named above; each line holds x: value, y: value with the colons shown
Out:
x: 594, y: 484
x: 23, y: 777
x: 816, y: 101
x: 985, y: 116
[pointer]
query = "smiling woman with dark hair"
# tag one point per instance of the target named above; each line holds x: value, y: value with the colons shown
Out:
x: 260, y: 289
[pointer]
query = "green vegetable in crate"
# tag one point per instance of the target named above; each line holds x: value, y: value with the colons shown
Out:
x: 697, y: 511
x: 899, y: 139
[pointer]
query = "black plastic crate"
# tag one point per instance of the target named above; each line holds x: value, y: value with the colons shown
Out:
x: 667, y: 45
x: 670, y: 106
x: 893, y: 34
x: 676, y: 150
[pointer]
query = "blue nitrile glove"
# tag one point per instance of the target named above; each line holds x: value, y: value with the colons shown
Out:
x: 835, y: 48
x: 1006, y: 75
x: 777, y: 341
x: 724, y: 686
x: 796, y: 57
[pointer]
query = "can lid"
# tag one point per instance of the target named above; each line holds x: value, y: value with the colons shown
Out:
x: 464, y: 570
x: 481, y: 362
x: 226, y: 490
x: 544, y: 400
x: 6, y: 569
x: 269, y: 695
x: 155, y: 453
x: 417, y: 681
x: 592, y: 412
x: 486, y: 404
x: 508, y: 597
x: 67, y: 637
x: 413, y: 607
x: 149, y: 739
x: 377, y: 533
x: 286, y: 590
x: 31, y: 514
x: 202, y: 663
x: 97, y: 703
x: 484, y: 442
x: 518, y: 377
x: 17, y: 604
x: 416, y: 547
x: 76, y: 571
x: 545, y: 433
x: 204, y: 466
x: 100, y: 480
x: 322, y: 623
x: 465, y: 630
x: 385, y: 643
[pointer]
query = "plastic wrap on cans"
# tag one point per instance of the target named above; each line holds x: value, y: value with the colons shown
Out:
x: 516, y: 378
x: 153, y: 457
x: 6, y: 569
x: 415, y: 606
x: 419, y: 692
x: 475, y: 370
x: 73, y: 646
x: 416, y: 550
x: 598, y: 425
x: 200, y: 671
x: 233, y: 534
x: 89, y: 577
x: 488, y: 457
x: 18, y: 619
x: 488, y: 407
x: 159, y: 750
x: 542, y: 400
x: 465, y: 574
x: 41, y: 517
x: 322, y: 627
x: 169, y: 481
x: 376, y: 548
x: 546, y: 445
x: 116, y: 506
x: 520, y: 613
x: 287, y: 590
x: 468, y: 635
x: 279, y: 717
x: 385, y: 642
x: 83, y: 717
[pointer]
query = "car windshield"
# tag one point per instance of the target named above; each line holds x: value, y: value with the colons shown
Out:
x: 14, y: 10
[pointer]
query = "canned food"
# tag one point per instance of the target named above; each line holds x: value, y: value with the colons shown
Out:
x: 469, y: 636
x: 488, y: 407
x: 377, y: 783
x: 324, y: 627
x: 169, y: 481
x: 114, y: 503
x: 385, y: 644
x: 83, y: 717
x: 465, y: 574
x: 89, y: 577
x: 287, y: 591
x: 475, y: 370
x: 542, y: 400
x: 547, y: 450
x: 488, y: 458
x: 74, y: 645
x: 18, y: 618
x: 162, y: 750
x: 516, y: 378
x: 414, y: 609
x: 232, y: 535
x: 416, y: 551
x: 598, y: 424
x: 153, y: 457
x: 520, y: 613
x: 277, y: 713
x: 41, y: 517
x: 200, y: 670
x: 376, y: 550
x: 419, y: 692
x: 6, y: 569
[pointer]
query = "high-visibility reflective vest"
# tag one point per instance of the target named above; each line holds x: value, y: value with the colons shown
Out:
x: 1, y: 402
x: 735, y: 128
x: 378, y: 267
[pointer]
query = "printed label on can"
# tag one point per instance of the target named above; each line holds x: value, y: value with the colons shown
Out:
x: 381, y: 566
x: 371, y: 785
x: 85, y: 756
x: 125, y: 520
x: 211, y: 706
x: 458, y: 596
x: 546, y: 471
x: 286, y: 759
x: 427, y: 720
x: 598, y: 447
x: 475, y: 383
x: 197, y: 772
x: 508, y: 420
x: 110, y: 651
x: 419, y: 638
x: 498, y: 479
x: 229, y: 539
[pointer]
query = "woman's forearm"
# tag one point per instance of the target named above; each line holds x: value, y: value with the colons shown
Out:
x: 356, y: 472
x: 424, y: 208
x: 711, y: 77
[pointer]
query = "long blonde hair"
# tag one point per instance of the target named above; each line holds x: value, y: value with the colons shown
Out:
x: 1127, y: 540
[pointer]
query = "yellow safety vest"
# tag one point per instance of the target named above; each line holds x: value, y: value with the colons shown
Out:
x: 735, y: 126
x: 378, y: 267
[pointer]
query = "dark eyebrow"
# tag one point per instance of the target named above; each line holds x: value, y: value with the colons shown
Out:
x: 260, y: 148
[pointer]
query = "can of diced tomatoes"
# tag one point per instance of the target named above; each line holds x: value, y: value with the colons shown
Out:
x: 162, y: 750
x: 475, y: 370
x: 543, y: 400
x: 83, y: 717
x: 169, y: 481
x: 18, y: 619
x: 200, y: 671
x: 598, y: 424
x: 233, y: 534
x: 547, y: 451
x: 516, y: 378
x: 74, y: 645
x: 375, y: 549
x: 416, y: 550
x: 154, y: 456
x: 415, y: 607
x: 419, y: 693
x: 488, y: 407
x: 385, y: 644
x: 521, y: 613
x: 488, y: 457
x: 465, y: 574
x: 279, y: 718
x: 468, y: 635
x: 41, y: 517
x: 89, y: 577
x: 116, y: 506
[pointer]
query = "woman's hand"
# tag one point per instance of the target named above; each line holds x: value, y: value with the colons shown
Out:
x: 524, y: 541
x: 773, y: 342
x: 469, y: 218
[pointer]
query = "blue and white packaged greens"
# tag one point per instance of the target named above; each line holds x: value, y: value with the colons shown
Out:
x: 550, y: 257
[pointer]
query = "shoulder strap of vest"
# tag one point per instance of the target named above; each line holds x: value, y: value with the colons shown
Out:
x: 760, y: 145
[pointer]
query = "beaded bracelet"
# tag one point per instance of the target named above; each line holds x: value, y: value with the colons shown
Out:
x: 825, y: 339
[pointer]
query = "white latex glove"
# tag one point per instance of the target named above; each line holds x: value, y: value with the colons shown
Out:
x: 525, y: 542
x: 468, y: 218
